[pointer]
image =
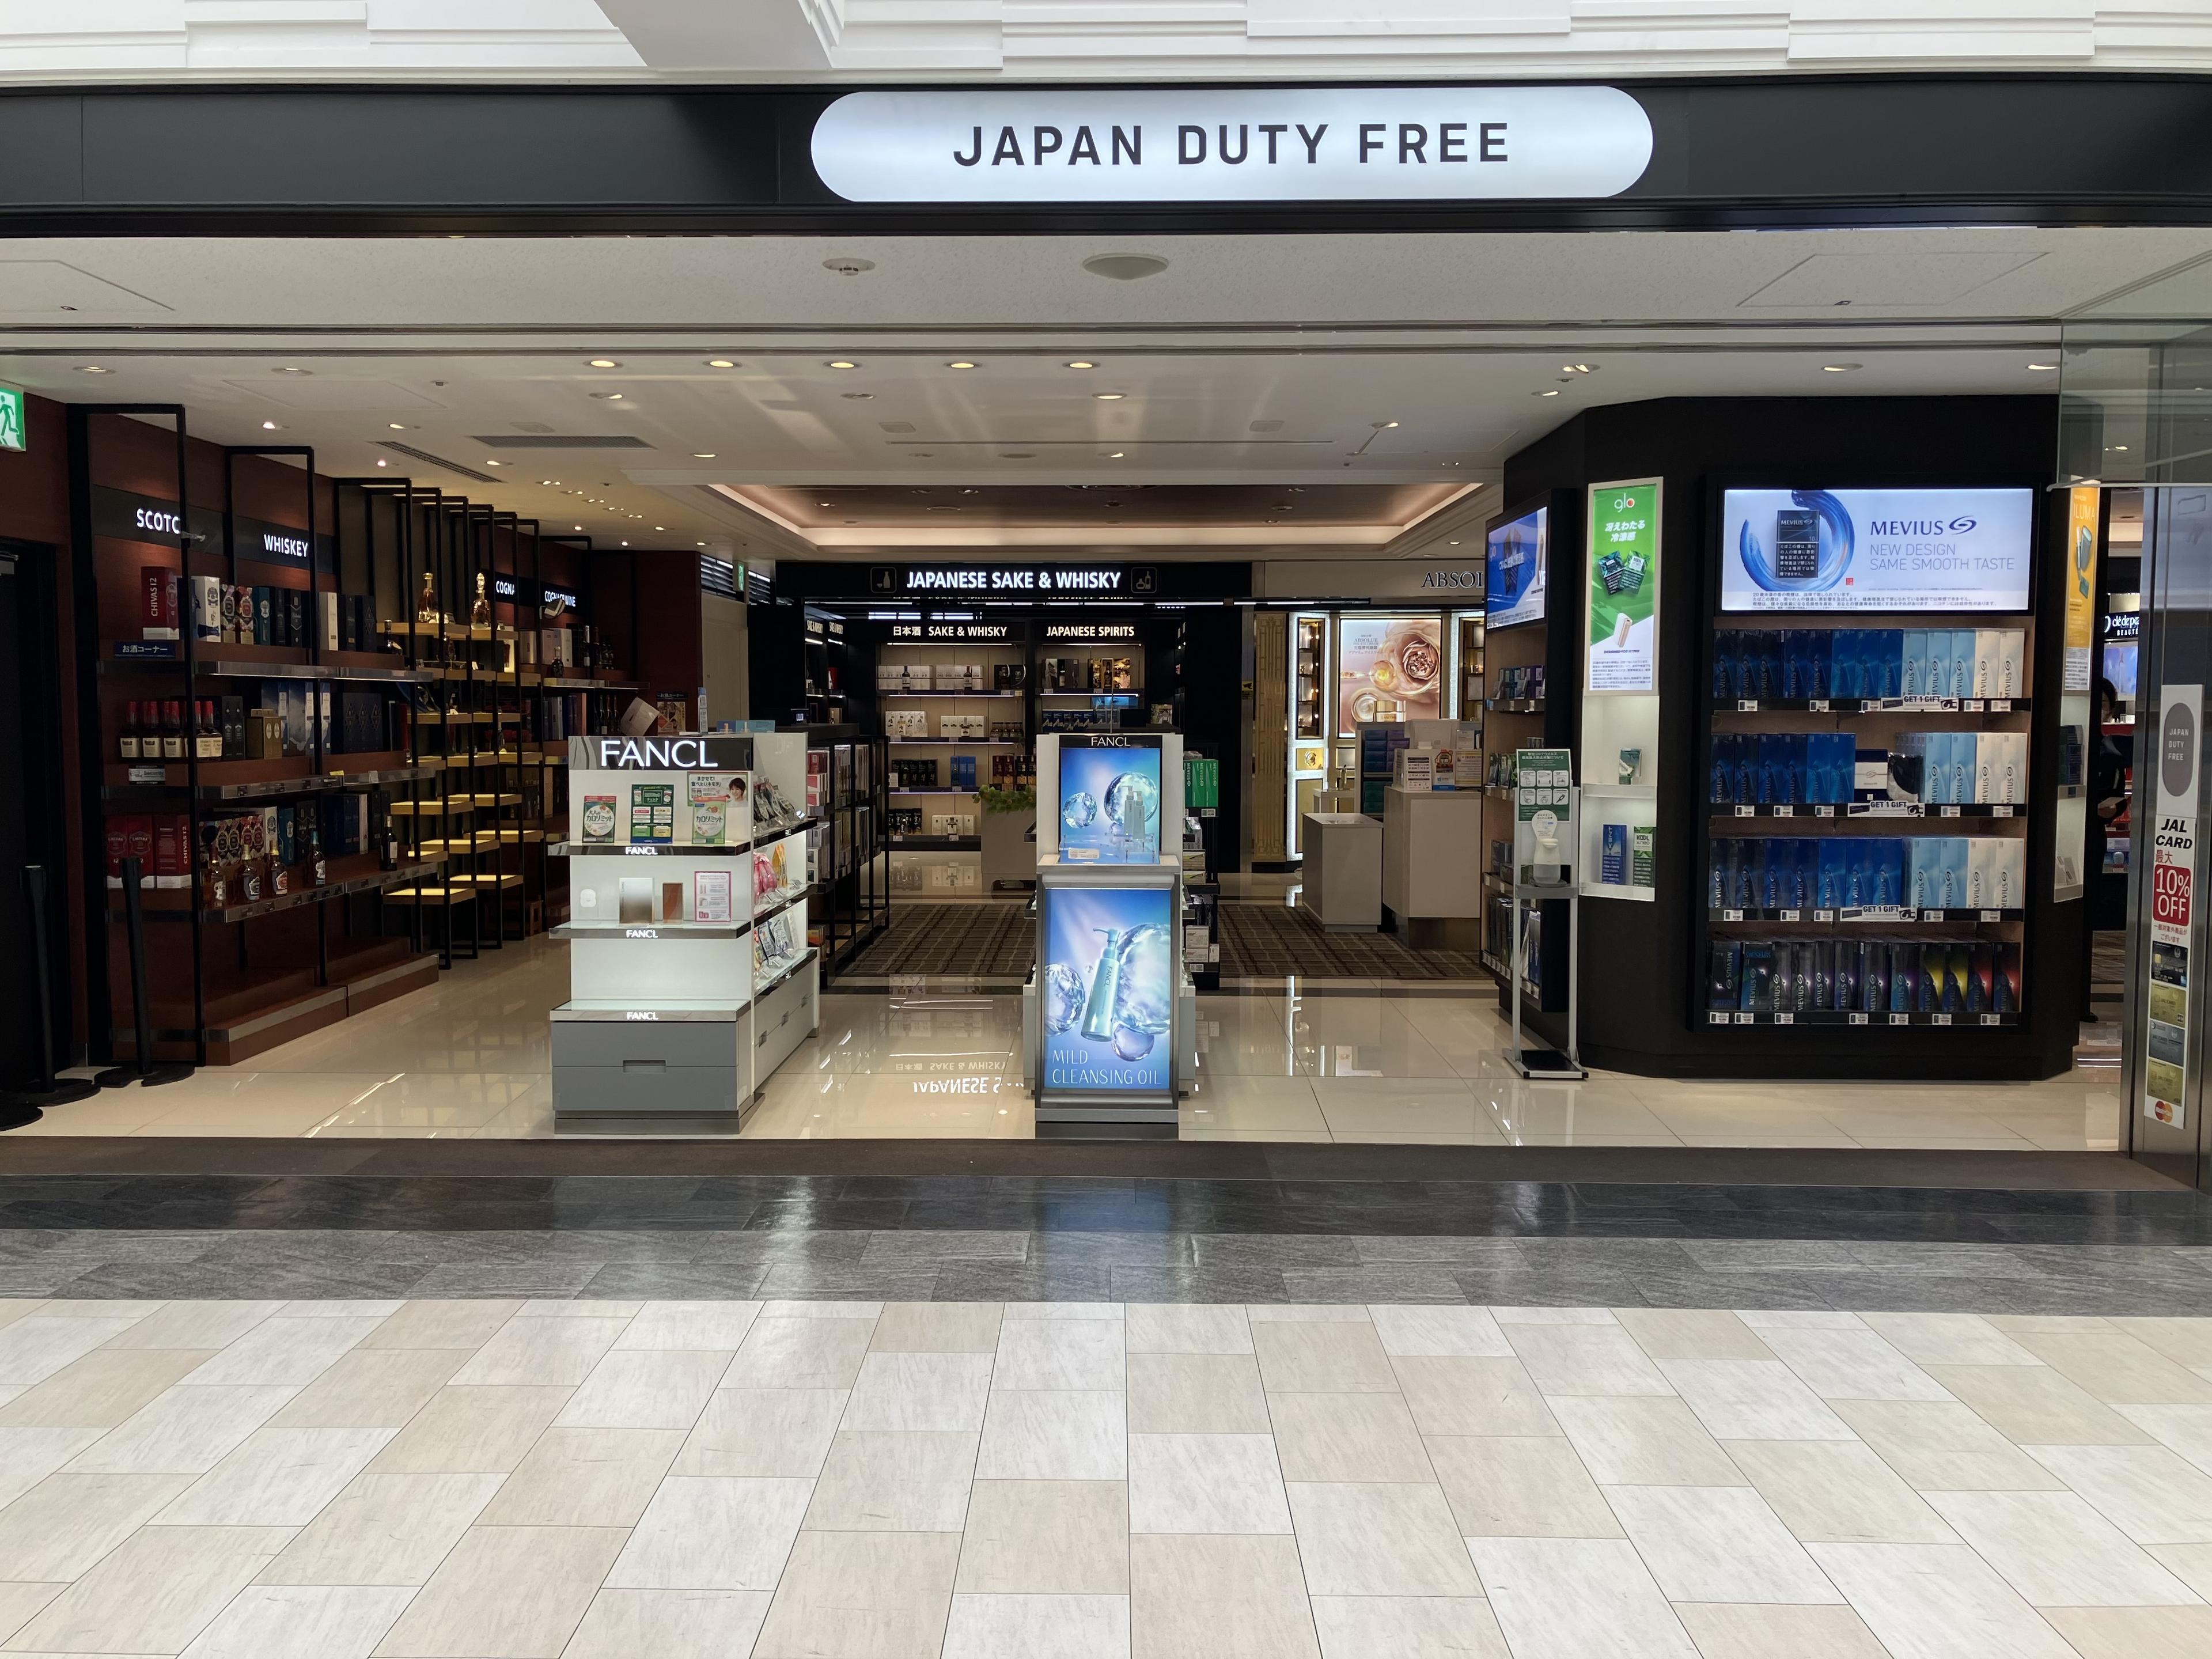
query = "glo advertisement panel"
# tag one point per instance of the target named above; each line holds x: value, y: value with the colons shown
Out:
x: 1107, y: 989
x: 1389, y: 668
x: 1515, y: 558
x: 1876, y: 549
x: 1110, y: 799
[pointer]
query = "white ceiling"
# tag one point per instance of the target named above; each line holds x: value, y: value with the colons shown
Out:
x: 442, y: 343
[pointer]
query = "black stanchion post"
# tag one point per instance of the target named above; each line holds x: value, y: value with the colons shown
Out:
x: 20, y: 1106
x: 141, y: 1070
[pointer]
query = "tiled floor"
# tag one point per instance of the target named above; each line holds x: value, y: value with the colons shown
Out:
x: 624, y: 1479
x: 469, y: 1058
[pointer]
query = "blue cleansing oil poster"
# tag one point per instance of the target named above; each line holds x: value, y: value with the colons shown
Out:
x: 1110, y: 799
x: 1108, y: 989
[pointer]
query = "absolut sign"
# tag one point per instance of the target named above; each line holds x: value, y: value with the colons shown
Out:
x: 1234, y: 144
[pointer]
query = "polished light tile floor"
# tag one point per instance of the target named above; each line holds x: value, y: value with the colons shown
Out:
x: 469, y: 1058
x: 608, y: 1480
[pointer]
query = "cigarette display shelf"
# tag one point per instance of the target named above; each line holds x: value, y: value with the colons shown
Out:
x: 1884, y: 731
x: 1877, y: 811
x: 1838, y: 1016
x: 1872, y: 705
x: 1891, y: 916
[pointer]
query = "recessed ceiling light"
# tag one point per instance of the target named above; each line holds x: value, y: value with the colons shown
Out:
x: 1125, y: 267
x: 1451, y: 543
x: 858, y: 396
x: 1118, y: 455
x: 846, y: 266
x: 612, y: 397
x: 663, y: 526
x: 698, y: 544
x: 494, y: 462
x: 1840, y: 369
x: 1382, y: 426
x: 702, y: 455
x: 720, y: 362
x: 1448, y: 462
x: 604, y: 362
x: 93, y: 369
x: 1553, y: 392
x: 1110, y: 396
x: 269, y: 426
x: 625, y: 543
x: 822, y: 503
x: 2044, y: 368
x: 1082, y: 362
x: 2121, y: 448
x: 960, y: 362
x: 842, y: 363
x: 288, y: 371
x: 383, y: 464
x: 1576, y: 369
x: 549, y: 481
x: 395, y: 426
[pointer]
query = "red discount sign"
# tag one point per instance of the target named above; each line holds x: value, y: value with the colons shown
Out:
x: 2169, y: 898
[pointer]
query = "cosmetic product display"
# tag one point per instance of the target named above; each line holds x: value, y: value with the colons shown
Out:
x: 690, y: 979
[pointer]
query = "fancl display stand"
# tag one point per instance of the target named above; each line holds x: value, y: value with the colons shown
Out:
x: 690, y: 977
x: 1544, y: 847
x: 1109, y: 1016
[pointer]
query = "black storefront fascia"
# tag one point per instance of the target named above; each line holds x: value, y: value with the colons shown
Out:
x: 1900, y: 150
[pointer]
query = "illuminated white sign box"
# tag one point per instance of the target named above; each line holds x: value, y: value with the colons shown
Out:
x: 1251, y: 144
x: 1876, y: 549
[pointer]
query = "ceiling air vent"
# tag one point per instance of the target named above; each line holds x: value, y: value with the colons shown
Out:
x: 429, y: 459
x: 717, y: 575
x: 558, y: 442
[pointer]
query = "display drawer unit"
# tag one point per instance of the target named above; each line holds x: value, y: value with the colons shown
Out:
x: 692, y: 979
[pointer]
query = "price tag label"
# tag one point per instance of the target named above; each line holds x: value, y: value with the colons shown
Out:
x: 1939, y: 1019
x: 2000, y: 705
x: 1731, y: 916
x: 1858, y: 1020
x: 149, y: 775
x: 1824, y: 915
x: 1971, y: 705
x: 1933, y: 915
x: 1743, y: 1019
x: 1785, y: 811
x: 1824, y: 811
x: 1785, y: 1019
x: 1716, y: 1019
x: 1992, y: 915
x: 2001, y: 811
x: 1991, y: 1019
x: 1747, y: 811
x: 1900, y: 1019
x: 1792, y: 915
x: 1947, y: 813
x: 1816, y: 705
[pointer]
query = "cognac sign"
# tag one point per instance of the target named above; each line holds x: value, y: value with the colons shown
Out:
x: 1234, y: 144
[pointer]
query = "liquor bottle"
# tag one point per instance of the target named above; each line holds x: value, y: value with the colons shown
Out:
x: 173, y: 731
x: 429, y: 611
x: 207, y: 731
x: 480, y: 611
x: 128, y: 745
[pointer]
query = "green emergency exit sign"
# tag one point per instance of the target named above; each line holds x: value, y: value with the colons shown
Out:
x: 14, y: 435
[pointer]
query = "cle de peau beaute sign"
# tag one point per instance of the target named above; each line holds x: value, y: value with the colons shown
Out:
x: 1233, y: 144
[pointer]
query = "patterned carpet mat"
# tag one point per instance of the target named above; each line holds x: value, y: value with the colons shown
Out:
x: 992, y: 940
x: 996, y: 940
x: 1267, y: 941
